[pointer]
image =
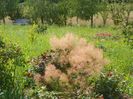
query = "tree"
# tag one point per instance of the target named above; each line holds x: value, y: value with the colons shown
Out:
x: 11, y: 8
x: 36, y: 10
x: 8, y: 8
x: 73, y: 9
x: 59, y: 11
x: 117, y: 11
x: 63, y: 10
x: 128, y: 10
x: 84, y: 9
x: 120, y: 12
x: 50, y: 11
x: 87, y: 9
x: 3, y: 5
x: 104, y: 11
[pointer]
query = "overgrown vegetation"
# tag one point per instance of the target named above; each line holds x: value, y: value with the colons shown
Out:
x: 11, y: 58
x: 128, y: 33
x: 55, y: 61
x: 56, y: 58
x: 111, y: 85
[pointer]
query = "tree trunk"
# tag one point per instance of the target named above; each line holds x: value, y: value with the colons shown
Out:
x: 104, y: 22
x: 42, y: 21
x: 4, y: 20
x: 65, y: 19
x: 77, y: 19
x: 127, y: 19
x: 92, y: 21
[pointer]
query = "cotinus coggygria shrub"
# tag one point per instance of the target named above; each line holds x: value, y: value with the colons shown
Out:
x: 68, y: 64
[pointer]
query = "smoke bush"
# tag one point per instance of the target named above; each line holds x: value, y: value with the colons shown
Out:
x: 78, y: 53
x: 70, y: 61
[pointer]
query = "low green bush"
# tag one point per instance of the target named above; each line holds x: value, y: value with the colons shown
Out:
x: 111, y: 85
x: 2, y: 44
x: 128, y: 33
x: 41, y: 29
x: 14, y: 93
x: 11, y: 57
x: 36, y: 29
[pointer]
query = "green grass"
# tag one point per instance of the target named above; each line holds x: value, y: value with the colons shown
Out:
x: 19, y: 34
